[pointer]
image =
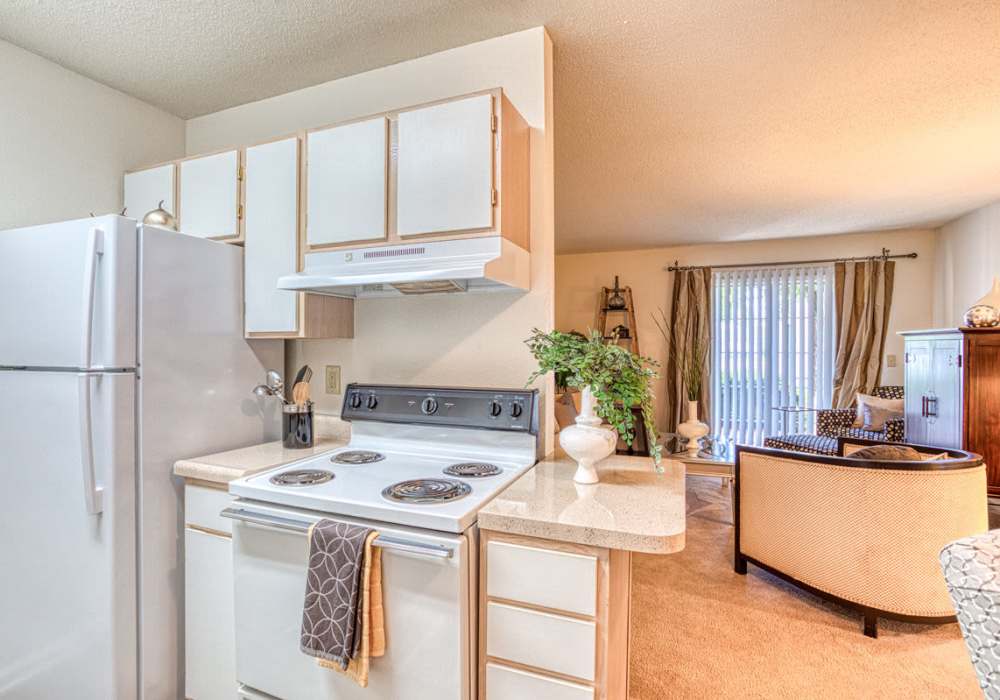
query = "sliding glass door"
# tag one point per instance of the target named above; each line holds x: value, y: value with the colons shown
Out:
x: 772, y: 347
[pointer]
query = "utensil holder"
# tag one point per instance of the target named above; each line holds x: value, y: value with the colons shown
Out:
x: 297, y: 425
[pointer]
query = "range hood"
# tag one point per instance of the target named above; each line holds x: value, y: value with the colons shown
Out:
x: 475, y: 264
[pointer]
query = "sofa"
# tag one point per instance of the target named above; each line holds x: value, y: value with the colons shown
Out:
x: 971, y: 569
x: 863, y: 533
x: 832, y: 423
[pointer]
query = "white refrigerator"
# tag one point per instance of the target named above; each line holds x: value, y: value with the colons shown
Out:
x: 121, y: 351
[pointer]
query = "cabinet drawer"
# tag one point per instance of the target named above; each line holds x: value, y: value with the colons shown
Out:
x: 504, y: 683
x: 545, y: 577
x: 202, y: 506
x: 546, y: 641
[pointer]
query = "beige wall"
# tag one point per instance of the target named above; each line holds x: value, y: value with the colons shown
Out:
x: 65, y: 141
x: 451, y: 340
x: 580, y: 277
x: 968, y: 259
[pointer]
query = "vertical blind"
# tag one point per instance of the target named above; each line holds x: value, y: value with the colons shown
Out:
x: 772, y: 346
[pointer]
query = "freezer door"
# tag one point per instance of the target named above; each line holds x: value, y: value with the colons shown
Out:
x: 67, y: 593
x: 69, y: 294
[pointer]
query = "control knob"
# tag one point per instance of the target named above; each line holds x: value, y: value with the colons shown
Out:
x: 355, y: 400
x: 372, y: 402
x: 516, y: 410
x: 496, y: 408
x: 429, y: 406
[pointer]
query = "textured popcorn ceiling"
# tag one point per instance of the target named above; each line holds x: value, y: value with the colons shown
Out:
x: 676, y: 121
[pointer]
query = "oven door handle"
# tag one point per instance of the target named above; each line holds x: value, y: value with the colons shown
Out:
x: 295, y: 525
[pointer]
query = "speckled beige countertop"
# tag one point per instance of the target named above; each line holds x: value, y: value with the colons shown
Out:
x: 632, y: 508
x: 223, y: 467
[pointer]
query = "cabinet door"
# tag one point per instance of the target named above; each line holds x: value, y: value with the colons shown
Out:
x: 145, y: 189
x: 944, y: 421
x: 209, y: 619
x: 209, y: 196
x: 346, y: 169
x: 445, y: 167
x: 271, y: 231
x: 917, y: 384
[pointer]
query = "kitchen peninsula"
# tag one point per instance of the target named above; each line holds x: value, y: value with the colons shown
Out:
x: 555, y: 576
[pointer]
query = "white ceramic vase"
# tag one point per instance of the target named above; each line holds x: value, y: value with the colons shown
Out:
x: 992, y: 297
x: 693, y: 429
x: 985, y: 312
x: 587, y: 442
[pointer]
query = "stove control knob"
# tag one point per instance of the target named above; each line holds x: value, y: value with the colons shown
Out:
x: 516, y: 410
x: 429, y: 406
x: 355, y: 400
x: 496, y: 408
x: 372, y: 402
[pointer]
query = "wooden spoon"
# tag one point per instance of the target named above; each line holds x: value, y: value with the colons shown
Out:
x: 300, y: 393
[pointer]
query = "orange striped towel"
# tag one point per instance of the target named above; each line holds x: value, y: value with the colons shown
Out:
x: 372, y: 618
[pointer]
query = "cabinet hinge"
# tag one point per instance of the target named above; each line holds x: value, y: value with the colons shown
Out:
x: 239, y: 212
x: 493, y: 123
x: 239, y: 173
x: 493, y: 197
x: 959, y: 358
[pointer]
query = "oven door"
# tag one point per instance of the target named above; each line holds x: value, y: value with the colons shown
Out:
x: 427, y: 582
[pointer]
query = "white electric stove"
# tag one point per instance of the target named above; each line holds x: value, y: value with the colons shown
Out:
x: 420, y: 465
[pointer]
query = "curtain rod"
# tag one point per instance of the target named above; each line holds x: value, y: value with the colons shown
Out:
x: 884, y: 256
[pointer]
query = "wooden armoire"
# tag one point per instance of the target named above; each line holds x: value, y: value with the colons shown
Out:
x: 952, y: 392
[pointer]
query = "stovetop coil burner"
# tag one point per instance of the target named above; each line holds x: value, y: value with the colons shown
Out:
x: 302, y: 477
x: 357, y: 457
x: 427, y: 491
x: 473, y: 469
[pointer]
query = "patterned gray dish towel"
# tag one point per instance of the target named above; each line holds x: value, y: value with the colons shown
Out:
x: 331, y: 628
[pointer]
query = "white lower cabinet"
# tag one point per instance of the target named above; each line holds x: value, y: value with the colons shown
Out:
x: 505, y: 683
x: 210, y: 646
x: 553, y: 620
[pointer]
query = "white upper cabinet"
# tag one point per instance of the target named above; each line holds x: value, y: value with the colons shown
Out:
x: 271, y: 230
x: 346, y: 173
x: 145, y: 189
x: 445, y: 167
x: 210, y: 196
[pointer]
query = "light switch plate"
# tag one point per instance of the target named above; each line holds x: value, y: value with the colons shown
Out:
x: 333, y: 379
x: 890, y: 360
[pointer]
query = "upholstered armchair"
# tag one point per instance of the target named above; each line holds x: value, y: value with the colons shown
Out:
x: 833, y: 423
x: 838, y: 422
x: 863, y: 533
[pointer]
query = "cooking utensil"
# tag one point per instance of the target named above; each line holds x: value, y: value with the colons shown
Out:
x: 300, y: 394
x: 160, y: 217
x: 305, y: 373
x: 261, y: 390
x: 275, y: 383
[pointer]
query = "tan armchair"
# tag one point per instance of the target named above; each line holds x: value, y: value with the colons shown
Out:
x: 865, y: 534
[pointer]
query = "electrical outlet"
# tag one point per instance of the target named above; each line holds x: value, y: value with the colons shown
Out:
x: 890, y: 360
x: 333, y: 379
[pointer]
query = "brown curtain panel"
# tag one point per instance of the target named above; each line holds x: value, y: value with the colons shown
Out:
x: 690, y: 318
x: 863, y: 299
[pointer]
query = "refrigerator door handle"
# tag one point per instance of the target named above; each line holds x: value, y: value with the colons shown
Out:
x: 95, y: 248
x: 93, y: 494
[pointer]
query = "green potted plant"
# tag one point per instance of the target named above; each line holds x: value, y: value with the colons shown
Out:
x: 612, y: 380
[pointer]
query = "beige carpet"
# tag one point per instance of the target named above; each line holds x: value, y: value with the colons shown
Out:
x: 701, y: 631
